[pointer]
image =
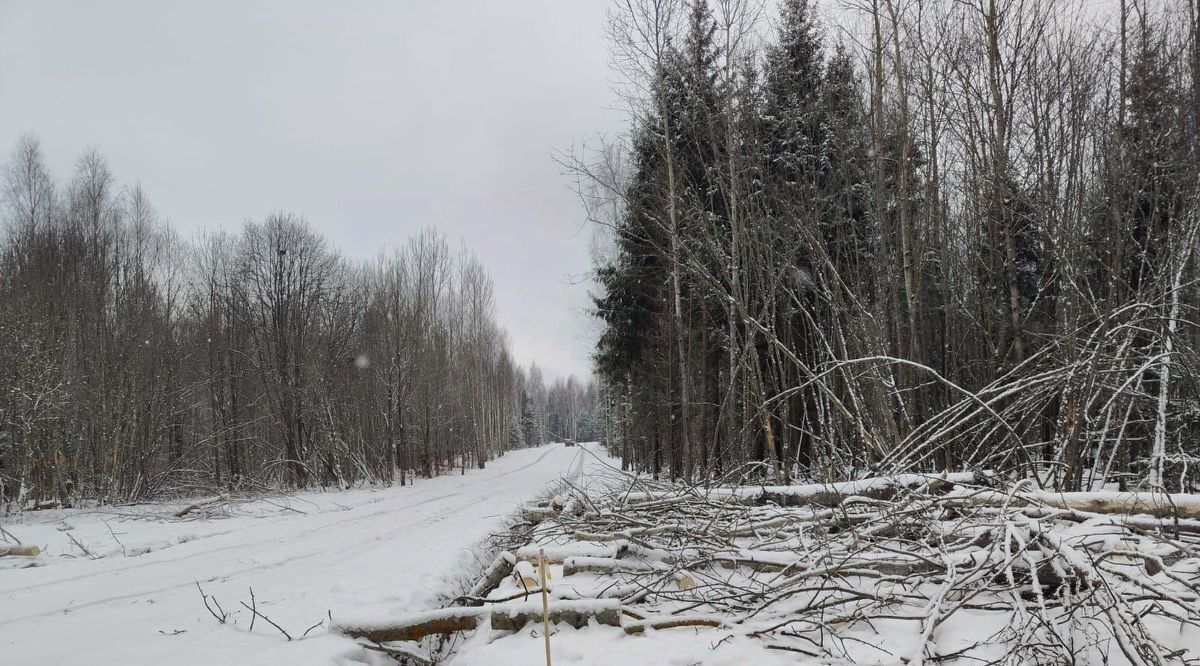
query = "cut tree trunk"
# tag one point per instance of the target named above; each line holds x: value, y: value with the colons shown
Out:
x: 508, y: 617
x: 500, y: 569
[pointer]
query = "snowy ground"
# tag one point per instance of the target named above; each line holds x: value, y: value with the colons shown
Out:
x: 373, y: 551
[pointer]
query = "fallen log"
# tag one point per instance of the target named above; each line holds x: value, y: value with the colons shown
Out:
x: 495, y: 574
x: 1158, y: 505
x: 575, y: 613
x: 201, y: 504
x: 604, y: 565
x: 626, y: 535
x: 824, y: 494
x: 672, y: 622
x: 608, y: 566
x: 559, y: 554
x: 1139, y: 522
x: 535, y: 515
x: 878, y: 488
x: 19, y: 549
x: 416, y: 626
x: 403, y: 655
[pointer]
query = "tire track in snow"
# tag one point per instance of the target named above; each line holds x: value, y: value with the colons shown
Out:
x: 226, y: 575
x: 282, y: 540
x: 134, y: 564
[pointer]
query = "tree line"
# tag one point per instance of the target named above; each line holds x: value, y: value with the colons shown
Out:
x: 926, y: 235
x: 135, y: 364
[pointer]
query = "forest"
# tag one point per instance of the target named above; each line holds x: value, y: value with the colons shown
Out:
x: 894, y: 347
x: 137, y: 364
x: 885, y: 236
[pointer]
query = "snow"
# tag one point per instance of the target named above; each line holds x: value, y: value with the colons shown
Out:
x: 605, y: 646
x: 374, y: 552
x: 375, y: 556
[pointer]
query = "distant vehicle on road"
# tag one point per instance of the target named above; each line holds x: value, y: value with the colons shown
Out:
x: 569, y: 442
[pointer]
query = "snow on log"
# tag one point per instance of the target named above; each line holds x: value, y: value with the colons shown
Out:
x: 495, y: 574
x: 416, y: 626
x: 1159, y: 505
x: 526, y: 576
x: 535, y: 515
x: 200, y: 505
x: 623, y: 535
x: 761, y: 560
x: 826, y: 494
x: 672, y: 622
x: 579, y: 564
x: 833, y: 494
x: 1141, y: 522
x: 575, y: 613
x: 19, y: 549
x: 605, y: 566
x: 558, y: 554
x: 779, y: 522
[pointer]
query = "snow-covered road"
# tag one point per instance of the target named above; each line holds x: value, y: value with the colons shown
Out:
x: 370, y: 551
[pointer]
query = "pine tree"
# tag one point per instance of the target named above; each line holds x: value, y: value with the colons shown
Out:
x: 849, y: 232
x: 794, y: 67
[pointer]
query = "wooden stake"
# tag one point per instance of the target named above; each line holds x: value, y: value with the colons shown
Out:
x: 542, y: 562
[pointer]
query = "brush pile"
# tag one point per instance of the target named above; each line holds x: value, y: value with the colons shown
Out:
x: 912, y: 569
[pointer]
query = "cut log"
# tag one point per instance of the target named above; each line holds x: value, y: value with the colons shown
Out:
x: 575, y: 613
x: 19, y: 549
x: 495, y: 574
x: 507, y: 617
x: 526, y: 576
x: 416, y: 626
x: 880, y: 488
x: 559, y: 554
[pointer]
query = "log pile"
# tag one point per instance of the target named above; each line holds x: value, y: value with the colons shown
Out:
x: 952, y: 569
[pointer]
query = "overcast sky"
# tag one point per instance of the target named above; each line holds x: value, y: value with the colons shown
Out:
x: 372, y: 118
